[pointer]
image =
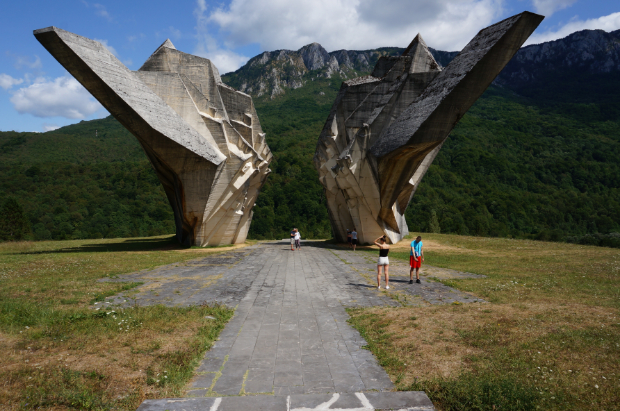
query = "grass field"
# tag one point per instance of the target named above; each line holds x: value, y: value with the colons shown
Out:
x: 57, y: 353
x: 548, y: 338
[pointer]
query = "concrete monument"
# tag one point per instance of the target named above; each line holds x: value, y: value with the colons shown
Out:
x: 202, y: 137
x: 385, y: 129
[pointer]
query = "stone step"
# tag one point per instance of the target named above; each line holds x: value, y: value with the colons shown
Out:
x: 367, y: 401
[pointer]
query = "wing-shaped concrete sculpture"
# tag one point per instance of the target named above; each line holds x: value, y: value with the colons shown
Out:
x: 202, y: 137
x: 384, y: 130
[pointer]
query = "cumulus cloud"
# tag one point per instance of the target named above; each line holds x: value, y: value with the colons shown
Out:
x: 50, y: 127
x: 62, y: 97
x: 353, y: 24
x: 6, y: 81
x: 206, y: 46
x: 607, y: 23
x: 548, y: 7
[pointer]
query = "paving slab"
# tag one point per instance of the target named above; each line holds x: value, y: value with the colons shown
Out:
x: 431, y: 291
x: 289, y: 336
x: 355, y: 401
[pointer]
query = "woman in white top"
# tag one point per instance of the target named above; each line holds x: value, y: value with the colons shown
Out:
x: 384, y: 261
x: 297, y: 239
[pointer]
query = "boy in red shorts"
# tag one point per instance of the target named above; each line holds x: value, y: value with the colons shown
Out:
x: 416, y: 257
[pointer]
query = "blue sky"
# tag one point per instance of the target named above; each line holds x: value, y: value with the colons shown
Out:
x: 37, y: 94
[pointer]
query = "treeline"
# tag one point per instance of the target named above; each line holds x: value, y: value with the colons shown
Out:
x: 88, y: 180
x: 512, y: 169
x: 514, y: 166
x: 67, y: 201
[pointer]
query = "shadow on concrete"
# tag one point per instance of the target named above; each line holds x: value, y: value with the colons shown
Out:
x: 362, y: 285
x: 394, y: 280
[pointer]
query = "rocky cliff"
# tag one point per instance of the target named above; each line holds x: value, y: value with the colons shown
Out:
x: 582, y: 67
x: 533, y: 68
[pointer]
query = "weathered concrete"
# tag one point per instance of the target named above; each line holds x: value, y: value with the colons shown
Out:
x: 289, y: 335
x: 370, y: 401
x: 385, y: 130
x: 202, y: 137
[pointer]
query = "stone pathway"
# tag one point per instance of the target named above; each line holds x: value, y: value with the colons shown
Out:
x: 289, y: 338
x: 431, y: 291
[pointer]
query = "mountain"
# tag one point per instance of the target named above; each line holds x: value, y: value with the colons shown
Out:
x: 272, y: 72
x: 535, y: 157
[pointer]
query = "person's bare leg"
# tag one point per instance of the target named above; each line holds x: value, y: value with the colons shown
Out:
x: 417, y: 273
x: 411, y: 274
x: 378, y: 276
x: 387, y: 276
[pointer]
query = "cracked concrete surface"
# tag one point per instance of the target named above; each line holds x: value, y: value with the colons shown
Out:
x: 289, y: 334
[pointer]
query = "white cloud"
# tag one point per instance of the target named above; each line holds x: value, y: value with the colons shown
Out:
x: 548, y: 7
x: 6, y: 81
x: 25, y: 61
x: 107, y: 46
x: 206, y: 46
x: 50, y: 127
x: 607, y: 23
x: 101, y: 11
x: 353, y: 24
x: 62, y: 97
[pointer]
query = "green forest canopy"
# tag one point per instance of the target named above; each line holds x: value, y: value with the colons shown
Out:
x: 514, y: 166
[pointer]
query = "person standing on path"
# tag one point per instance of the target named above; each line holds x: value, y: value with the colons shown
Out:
x: 297, y: 240
x: 354, y: 238
x: 349, y: 238
x: 292, y: 239
x: 415, y: 259
x: 384, y: 262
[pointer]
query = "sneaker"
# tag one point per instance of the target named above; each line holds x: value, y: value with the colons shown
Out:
x: 387, y: 287
x: 418, y: 281
x: 378, y: 288
x: 410, y: 281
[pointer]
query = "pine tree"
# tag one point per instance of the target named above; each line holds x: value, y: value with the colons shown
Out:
x: 13, y: 224
x: 433, y: 224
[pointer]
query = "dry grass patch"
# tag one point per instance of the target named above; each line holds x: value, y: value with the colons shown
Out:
x: 550, y: 339
x: 103, y: 361
x: 59, y: 354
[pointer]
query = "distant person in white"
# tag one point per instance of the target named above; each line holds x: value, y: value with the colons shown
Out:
x: 354, y: 238
x: 384, y: 261
x: 297, y: 239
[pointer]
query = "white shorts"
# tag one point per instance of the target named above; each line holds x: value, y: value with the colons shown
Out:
x: 292, y: 240
x: 383, y: 261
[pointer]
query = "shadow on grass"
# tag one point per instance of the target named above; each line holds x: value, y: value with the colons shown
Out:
x: 139, y: 244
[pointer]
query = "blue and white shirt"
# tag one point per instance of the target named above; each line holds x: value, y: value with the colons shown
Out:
x: 417, y: 247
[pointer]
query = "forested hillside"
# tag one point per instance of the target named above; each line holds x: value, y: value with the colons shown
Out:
x: 88, y: 180
x: 536, y: 156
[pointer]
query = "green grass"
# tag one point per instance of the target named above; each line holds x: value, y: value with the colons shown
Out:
x: 548, y: 339
x: 62, y: 354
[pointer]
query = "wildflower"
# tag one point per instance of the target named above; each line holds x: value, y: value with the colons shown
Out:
x: 596, y: 386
